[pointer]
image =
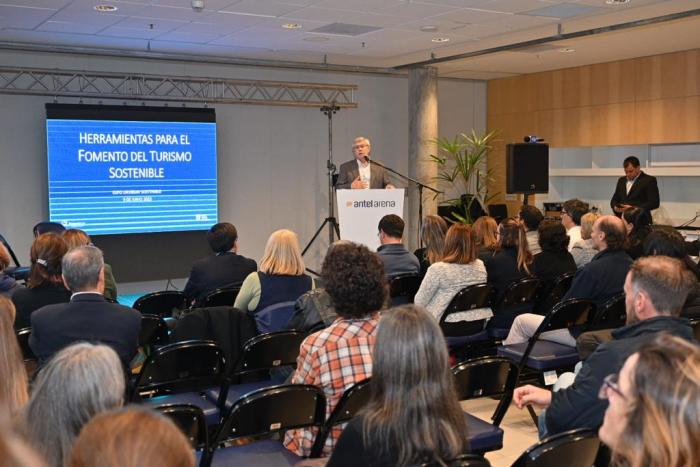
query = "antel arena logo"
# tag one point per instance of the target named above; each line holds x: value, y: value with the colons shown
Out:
x: 371, y: 204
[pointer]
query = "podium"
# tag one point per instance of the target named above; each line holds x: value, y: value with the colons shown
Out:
x: 360, y: 211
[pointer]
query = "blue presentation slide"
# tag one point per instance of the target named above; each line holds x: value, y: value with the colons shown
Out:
x: 117, y: 177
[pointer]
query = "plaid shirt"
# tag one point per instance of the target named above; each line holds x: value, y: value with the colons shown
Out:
x: 334, y: 359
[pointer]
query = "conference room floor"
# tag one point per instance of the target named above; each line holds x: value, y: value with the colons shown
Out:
x: 519, y: 431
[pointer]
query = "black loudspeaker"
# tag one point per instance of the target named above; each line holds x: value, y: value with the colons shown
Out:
x: 527, y: 168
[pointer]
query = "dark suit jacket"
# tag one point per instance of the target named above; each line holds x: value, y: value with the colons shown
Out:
x: 215, y: 272
x: 87, y: 318
x: 379, y: 178
x: 644, y: 193
x: 27, y: 301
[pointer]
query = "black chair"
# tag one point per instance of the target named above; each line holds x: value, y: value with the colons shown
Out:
x: 179, y: 374
x: 160, y: 303
x: 465, y: 460
x: 551, y: 294
x: 695, y: 323
x: 519, y: 295
x: 462, y: 333
x: 403, y: 288
x: 575, y: 448
x: 48, y: 227
x: 220, y: 297
x: 612, y: 315
x: 353, y: 399
x: 190, y: 420
x: 266, y: 412
x: 541, y: 355
x: 23, y: 340
x: 260, y: 354
x: 154, y: 332
x: 17, y: 272
x: 486, y: 377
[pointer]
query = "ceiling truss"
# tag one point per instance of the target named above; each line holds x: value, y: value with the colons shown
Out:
x: 83, y: 84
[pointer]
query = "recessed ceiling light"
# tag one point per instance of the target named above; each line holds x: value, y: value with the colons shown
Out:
x: 291, y: 26
x: 567, y: 50
x: 316, y: 39
x: 616, y: 2
x: 429, y: 28
x: 440, y: 40
x: 105, y: 8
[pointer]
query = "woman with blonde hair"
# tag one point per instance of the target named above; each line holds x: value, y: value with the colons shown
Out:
x: 13, y: 375
x: 510, y: 263
x: 583, y: 250
x: 75, y: 238
x: 413, y: 415
x: 653, y: 414
x: 44, y: 284
x: 79, y: 382
x: 131, y: 437
x: 458, y: 269
x: 485, y: 229
x: 432, y: 235
x: 280, y: 279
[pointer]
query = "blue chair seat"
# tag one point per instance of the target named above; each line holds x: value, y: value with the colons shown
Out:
x: 498, y: 333
x: 237, y: 391
x: 460, y: 341
x: 545, y: 355
x: 266, y: 453
x: 483, y: 436
x: 211, y: 412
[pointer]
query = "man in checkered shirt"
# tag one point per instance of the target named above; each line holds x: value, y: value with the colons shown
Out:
x: 339, y: 356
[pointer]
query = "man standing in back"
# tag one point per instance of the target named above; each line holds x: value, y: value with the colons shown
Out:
x: 635, y: 189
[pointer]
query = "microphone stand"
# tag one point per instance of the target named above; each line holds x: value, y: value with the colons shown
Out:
x: 687, y: 224
x: 420, y: 191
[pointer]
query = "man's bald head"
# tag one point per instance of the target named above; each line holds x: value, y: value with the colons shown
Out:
x: 609, y: 233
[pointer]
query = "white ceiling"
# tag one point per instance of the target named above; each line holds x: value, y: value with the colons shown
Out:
x: 252, y: 29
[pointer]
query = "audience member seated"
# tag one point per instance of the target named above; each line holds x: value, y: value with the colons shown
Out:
x: 339, y: 356
x: 13, y: 376
x: 88, y: 316
x: 44, y: 284
x: 637, y: 225
x: 226, y: 269
x: 554, y: 259
x: 511, y: 262
x: 75, y: 238
x: 397, y: 259
x: 531, y: 217
x: 583, y: 251
x: 7, y: 284
x: 131, y: 437
x: 281, y: 277
x: 653, y: 405
x: 432, y: 235
x: 600, y: 280
x: 458, y: 269
x: 78, y: 383
x: 656, y: 289
x: 571, y: 213
x: 413, y: 415
x: 485, y: 229
x: 661, y: 241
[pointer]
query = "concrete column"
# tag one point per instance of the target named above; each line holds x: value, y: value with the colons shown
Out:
x: 422, y: 130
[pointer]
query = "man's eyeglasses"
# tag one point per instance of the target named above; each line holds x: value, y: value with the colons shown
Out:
x: 612, y: 383
x: 564, y: 212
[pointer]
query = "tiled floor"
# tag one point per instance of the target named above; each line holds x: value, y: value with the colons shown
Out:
x: 519, y: 431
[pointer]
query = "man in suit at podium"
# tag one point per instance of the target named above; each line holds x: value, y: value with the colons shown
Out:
x: 635, y: 189
x: 358, y: 173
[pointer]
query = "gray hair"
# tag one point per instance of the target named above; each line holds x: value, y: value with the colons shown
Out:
x: 79, y: 382
x: 81, y: 267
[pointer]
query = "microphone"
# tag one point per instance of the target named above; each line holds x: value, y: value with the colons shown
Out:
x: 366, y: 159
x: 532, y: 139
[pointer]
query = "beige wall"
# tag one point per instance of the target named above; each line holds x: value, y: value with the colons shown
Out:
x: 648, y: 100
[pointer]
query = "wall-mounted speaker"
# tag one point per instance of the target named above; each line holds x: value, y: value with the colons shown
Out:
x: 527, y: 168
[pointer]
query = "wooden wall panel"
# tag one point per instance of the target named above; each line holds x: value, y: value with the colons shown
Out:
x: 648, y: 100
